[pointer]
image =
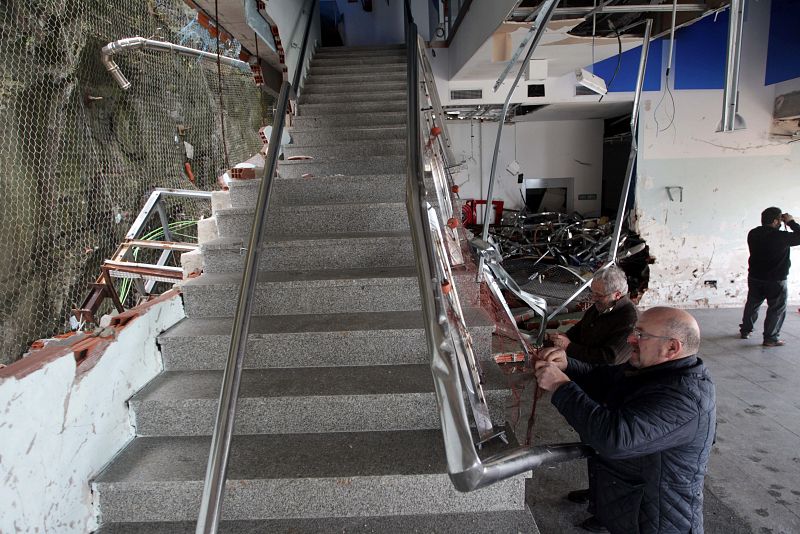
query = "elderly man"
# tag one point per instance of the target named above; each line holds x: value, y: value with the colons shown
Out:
x: 651, y: 422
x: 600, y: 336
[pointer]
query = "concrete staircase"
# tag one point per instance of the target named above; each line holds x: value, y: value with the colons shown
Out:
x: 337, y: 426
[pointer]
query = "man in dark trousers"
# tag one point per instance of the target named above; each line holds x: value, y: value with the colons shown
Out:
x: 600, y: 337
x: 766, y: 278
x: 651, y: 422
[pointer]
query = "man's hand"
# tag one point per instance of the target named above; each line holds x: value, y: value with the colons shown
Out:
x: 787, y: 218
x: 549, y: 376
x: 555, y: 356
x: 559, y: 340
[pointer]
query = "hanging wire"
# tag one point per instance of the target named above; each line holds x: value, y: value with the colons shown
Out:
x: 619, y: 60
x: 667, y: 89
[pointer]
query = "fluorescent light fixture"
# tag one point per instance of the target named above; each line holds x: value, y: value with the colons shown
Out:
x: 590, y: 81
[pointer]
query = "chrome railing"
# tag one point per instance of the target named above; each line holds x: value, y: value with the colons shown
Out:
x: 453, y: 362
x: 214, y: 486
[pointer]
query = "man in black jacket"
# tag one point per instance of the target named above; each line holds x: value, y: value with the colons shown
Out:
x: 651, y: 422
x: 766, y: 278
x: 600, y: 337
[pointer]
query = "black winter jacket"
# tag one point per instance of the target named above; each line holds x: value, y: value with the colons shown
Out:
x: 652, y: 429
x: 602, y: 338
x: 769, y: 252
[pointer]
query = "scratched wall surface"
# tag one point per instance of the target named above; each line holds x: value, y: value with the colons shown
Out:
x: 727, y: 180
x: 59, y: 428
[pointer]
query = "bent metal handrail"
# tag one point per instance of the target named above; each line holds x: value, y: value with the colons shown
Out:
x: 467, y: 470
x: 214, y: 486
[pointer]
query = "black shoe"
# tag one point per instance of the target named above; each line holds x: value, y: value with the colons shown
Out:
x: 592, y: 525
x: 745, y: 335
x: 578, y: 496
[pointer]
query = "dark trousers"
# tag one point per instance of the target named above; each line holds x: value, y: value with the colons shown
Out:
x: 775, y: 295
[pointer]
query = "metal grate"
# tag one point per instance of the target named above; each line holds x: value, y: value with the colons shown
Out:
x: 466, y: 94
x: 80, y: 156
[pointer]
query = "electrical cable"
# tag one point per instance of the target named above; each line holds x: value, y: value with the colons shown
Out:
x: 619, y: 60
x: 666, y: 78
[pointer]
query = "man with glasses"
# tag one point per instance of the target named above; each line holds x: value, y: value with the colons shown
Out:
x: 766, y: 277
x: 600, y: 336
x: 651, y: 422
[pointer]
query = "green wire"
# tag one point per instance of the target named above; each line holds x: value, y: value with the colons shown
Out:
x: 127, y: 283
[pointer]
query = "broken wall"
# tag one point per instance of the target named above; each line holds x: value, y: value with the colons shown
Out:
x: 727, y: 179
x: 80, y: 156
x: 63, y: 423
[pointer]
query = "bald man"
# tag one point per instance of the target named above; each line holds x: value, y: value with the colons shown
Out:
x: 651, y: 422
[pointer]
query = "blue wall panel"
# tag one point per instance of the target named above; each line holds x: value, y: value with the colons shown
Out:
x: 783, y: 54
x: 700, y: 54
x: 629, y: 68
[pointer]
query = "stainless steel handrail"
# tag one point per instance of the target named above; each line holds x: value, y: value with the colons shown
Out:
x: 467, y: 470
x: 216, y: 471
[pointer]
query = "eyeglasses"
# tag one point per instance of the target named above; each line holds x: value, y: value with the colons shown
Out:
x: 639, y: 334
x: 598, y: 296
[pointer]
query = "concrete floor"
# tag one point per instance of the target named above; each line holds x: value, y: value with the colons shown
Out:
x: 753, y: 483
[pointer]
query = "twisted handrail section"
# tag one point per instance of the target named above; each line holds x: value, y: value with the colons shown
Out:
x: 453, y: 362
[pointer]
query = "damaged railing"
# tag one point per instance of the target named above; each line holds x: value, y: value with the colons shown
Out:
x: 452, y: 359
x: 142, y: 274
x: 216, y: 472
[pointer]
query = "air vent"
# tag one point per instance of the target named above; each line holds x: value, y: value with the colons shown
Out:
x: 535, y: 90
x: 466, y: 94
x: 580, y: 90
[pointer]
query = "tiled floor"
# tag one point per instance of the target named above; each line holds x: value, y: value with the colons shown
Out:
x: 753, y: 484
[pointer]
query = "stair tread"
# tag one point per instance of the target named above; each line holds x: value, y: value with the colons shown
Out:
x: 505, y: 521
x: 229, y: 242
x: 261, y: 325
x: 294, y: 207
x: 309, y: 382
x: 355, y: 276
x: 285, y: 456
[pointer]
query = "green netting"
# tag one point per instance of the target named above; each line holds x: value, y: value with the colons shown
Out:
x: 79, y: 156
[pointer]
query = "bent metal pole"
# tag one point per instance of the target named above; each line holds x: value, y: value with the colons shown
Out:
x: 542, y: 19
x: 629, y: 178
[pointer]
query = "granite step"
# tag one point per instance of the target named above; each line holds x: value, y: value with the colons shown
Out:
x: 379, y: 338
x: 303, y: 400
x: 340, y: 51
x: 321, y: 110
x: 353, y: 97
x: 309, y: 220
x: 340, y: 189
x: 504, y: 522
x: 345, y: 87
x: 389, y: 164
x: 302, y: 292
x: 349, y: 474
x: 376, y: 70
x: 360, y: 149
x: 335, y: 60
x: 391, y: 119
x: 314, y: 137
x: 314, y: 251
x: 356, y: 80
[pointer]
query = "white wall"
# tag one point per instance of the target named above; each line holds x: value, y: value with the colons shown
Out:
x: 381, y: 26
x: 61, y: 426
x: 291, y: 25
x: 552, y: 149
x: 728, y: 179
x: 480, y: 22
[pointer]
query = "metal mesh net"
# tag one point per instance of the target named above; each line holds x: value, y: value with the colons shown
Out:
x: 79, y: 156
